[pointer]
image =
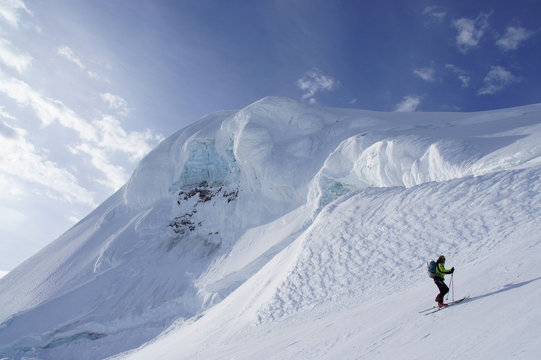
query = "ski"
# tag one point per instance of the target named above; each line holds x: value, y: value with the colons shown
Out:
x: 430, y: 308
x: 436, y: 308
x: 459, y: 300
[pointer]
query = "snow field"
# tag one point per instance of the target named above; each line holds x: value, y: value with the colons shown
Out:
x: 339, y: 292
x: 285, y: 230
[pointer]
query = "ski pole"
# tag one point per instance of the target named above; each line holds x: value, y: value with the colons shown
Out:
x: 452, y: 288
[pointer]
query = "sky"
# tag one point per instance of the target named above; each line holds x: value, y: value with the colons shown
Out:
x: 87, y: 88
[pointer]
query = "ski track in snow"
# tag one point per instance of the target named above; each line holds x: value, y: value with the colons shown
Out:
x: 284, y: 231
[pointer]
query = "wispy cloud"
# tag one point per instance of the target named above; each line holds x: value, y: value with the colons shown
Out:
x: 5, y: 114
x: 427, y: 74
x: 6, y: 131
x: 315, y: 81
x: 470, y: 31
x: 462, y: 75
x: 20, y: 160
x: 10, y: 11
x: 435, y: 12
x: 497, y: 79
x: 12, y: 57
x: 513, y: 37
x: 114, y: 176
x: 116, y: 102
x: 408, y: 104
x: 113, y: 137
x: 48, y: 110
x: 99, y: 138
x: 68, y: 53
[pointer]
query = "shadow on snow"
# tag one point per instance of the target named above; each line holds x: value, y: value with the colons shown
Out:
x: 506, y: 287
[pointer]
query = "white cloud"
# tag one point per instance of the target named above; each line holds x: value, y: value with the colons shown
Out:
x: 74, y: 219
x: 314, y: 81
x: 113, y: 137
x: 470, y: 31
x: 464, y: 79
x: 497, y: 79
x: 48, y: 110
x: 5, y: 114
x: 435, y: 12
x: 115, y: 102
x: 68, y: 53
x: 115, y: 176
x: 408, y: 104
x: 461, y: 74
x: 427, y: 74
x: 12, y: 57
x: 6, y: 130
x: 19, y: 159
x: 99, y: 138
x: 513, y: 37
x: 10, y: 11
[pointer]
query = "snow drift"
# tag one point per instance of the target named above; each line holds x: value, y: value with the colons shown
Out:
x: 248, y: 224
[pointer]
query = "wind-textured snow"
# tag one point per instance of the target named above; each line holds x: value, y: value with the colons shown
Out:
x: 285, y: 231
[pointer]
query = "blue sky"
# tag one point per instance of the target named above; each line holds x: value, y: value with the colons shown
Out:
x: 88, y: 87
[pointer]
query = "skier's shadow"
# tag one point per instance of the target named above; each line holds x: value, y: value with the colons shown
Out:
x: 506, y: 287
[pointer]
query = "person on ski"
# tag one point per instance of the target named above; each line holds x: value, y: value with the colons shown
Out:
x: 439, y: 280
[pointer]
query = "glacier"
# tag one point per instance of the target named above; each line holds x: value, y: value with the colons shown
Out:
x: 281, y: 214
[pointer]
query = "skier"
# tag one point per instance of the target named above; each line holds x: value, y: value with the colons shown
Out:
x: 439, y: 280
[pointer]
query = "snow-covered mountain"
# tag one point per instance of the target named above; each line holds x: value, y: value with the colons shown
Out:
x: 285, y: 231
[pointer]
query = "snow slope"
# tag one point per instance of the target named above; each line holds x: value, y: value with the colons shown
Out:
x: 288, y: 231
x: 351, y: 286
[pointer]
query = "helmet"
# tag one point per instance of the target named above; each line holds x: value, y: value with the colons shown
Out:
x: 441, y: 259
